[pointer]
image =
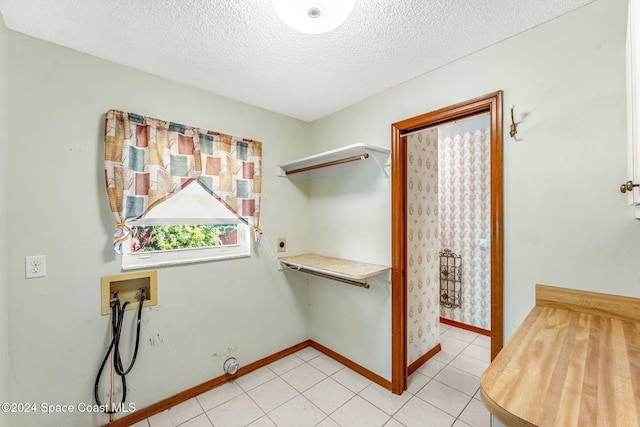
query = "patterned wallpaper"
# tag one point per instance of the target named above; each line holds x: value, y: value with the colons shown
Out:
x: 423, y: 244
x: 465, y: 222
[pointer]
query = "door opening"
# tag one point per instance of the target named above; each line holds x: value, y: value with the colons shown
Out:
x: 491, y: 104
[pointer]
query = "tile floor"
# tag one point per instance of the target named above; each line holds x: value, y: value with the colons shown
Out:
x: 309, y: 388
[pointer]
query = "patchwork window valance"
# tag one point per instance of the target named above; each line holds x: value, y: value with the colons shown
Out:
x: 149, y: 160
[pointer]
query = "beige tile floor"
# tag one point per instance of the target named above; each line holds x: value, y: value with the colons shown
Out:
x: 309, y: 388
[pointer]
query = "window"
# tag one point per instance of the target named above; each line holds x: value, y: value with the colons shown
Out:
x: 192, y: 226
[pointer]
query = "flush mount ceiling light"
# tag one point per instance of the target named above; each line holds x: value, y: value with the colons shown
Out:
x: 313, y: 16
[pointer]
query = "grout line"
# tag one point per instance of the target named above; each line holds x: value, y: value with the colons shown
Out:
x: 463, y: 409
x: 256, y: 403
x: 449, y: 364
x: 299, y: 393
x: 325, y: 376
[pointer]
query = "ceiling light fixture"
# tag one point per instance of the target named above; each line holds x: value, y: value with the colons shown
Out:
x: 313, y: 16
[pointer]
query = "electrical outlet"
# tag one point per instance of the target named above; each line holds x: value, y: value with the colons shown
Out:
x: 35, y: 266
x: 282, y: 244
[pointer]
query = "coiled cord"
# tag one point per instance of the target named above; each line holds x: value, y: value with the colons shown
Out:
x: 117, y: 317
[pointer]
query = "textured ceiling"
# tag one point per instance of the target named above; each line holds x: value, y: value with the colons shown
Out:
x: 241, y: 50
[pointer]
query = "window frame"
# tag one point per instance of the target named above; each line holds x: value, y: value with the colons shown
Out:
x: 147, y: 259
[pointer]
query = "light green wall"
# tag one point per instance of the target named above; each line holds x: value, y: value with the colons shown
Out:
x: 58, y: 207
x: 566, y: 223
x: 4, y: 228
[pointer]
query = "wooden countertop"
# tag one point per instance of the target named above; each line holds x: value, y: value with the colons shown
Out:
x: 574, y: 361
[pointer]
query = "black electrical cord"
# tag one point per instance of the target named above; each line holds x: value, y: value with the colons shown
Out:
x: 117, y: 317
x: 118, y: 365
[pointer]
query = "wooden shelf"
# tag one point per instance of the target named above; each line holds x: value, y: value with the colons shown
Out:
x: 335, y: 161
x: 341, y: 270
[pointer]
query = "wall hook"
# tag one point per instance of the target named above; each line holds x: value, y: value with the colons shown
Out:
x: 514, y: 127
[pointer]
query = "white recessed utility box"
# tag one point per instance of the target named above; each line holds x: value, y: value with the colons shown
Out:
x: 128, y: 287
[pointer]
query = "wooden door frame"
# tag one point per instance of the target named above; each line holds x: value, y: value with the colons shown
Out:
x: 492, y: 104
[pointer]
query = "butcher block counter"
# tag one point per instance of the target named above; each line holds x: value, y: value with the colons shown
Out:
x: 574, y: 361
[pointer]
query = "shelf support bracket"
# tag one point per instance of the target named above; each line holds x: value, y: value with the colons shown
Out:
x: 381, y: 166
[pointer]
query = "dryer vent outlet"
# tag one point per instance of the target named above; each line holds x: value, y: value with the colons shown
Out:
x: 231, y: 366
